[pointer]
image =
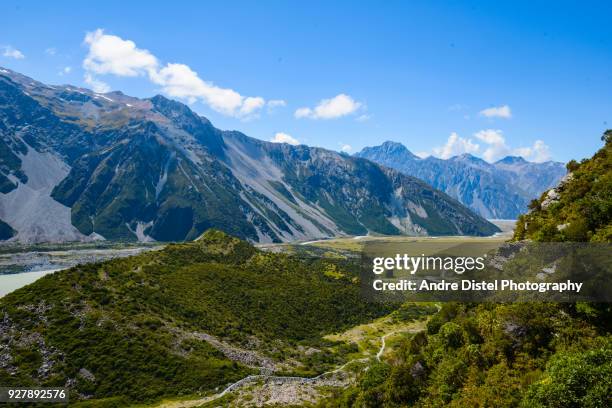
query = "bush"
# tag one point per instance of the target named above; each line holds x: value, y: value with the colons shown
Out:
x: 574, y: 380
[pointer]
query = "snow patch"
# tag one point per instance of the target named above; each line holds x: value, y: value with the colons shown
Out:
x: 103, y: 97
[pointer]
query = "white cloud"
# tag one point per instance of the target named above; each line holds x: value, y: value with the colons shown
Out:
x: 346, y: 148
x: 96, y: 84
x: 497, y: 112
x: 281, y: 137
x: 65, y: 71
x: 539, y: 152
x: 495, y: 147
x: 251, y: 105
x: 180, y: 81
x: 275, y: 104
x: 51, y: 51
x: 363, y: 118
x: 10, y: 52
x: 496, y: 142
x: 338, y: 106
x: 498, y: 148
x: 455, y: 145
x: 490, y: 136
x: 303, y: 113
x: 422, y: 155
x: 110, y: 54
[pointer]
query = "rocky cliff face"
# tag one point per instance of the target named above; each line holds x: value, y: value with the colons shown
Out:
x: 494, y: 190
x: 92, y: 166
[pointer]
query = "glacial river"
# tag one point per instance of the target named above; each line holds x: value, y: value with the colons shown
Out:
x: 20, y: 267
x: 14, y: 281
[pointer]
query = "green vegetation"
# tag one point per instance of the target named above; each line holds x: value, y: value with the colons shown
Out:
x: 131, y: 329
x: 583, y: 209
x: 521, y: 354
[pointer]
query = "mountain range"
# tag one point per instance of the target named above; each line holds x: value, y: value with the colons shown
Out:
x: 76, y: 165
x: 499, y: 190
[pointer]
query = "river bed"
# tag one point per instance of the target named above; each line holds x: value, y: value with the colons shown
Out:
x: 20, y: 266
x: 14, y: 281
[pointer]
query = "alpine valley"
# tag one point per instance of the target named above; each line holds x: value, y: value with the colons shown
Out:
x: 76, y: 165
x: 500, y: 190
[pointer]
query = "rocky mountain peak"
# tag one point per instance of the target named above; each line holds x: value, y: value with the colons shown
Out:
x: 469, y: 158
x: 390, y: 148
x: 511, y: 160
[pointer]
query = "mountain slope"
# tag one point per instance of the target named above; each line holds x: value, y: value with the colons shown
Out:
x: 118, y: 167
x: 499, y: 190
x: 579, y: 208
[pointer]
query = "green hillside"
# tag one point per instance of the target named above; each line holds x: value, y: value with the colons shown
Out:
x: 135, y: 329
x: 580, y: 209
x: 492, y: 355
x: 512, y: 355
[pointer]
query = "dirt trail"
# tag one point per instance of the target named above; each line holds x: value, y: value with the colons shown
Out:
x: 383, y: 344
x: 325, y: 378
x: 277, y: 379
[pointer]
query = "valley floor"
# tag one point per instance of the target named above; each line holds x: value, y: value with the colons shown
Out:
x: 21, y: 265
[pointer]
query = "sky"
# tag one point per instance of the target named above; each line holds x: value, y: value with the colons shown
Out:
x: 443, y: 78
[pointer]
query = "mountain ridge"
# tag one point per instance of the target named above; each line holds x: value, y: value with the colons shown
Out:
x: 502, y: 189
x: 152, y: 169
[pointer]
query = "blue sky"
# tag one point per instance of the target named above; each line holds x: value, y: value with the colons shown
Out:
x: 490, y: 78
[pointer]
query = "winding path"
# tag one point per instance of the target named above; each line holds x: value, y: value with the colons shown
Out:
x: 382, y: 345
x: 255, y: 377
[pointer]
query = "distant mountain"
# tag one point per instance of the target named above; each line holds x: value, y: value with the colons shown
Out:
x: 79, y: 165
x: 494, y: 190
